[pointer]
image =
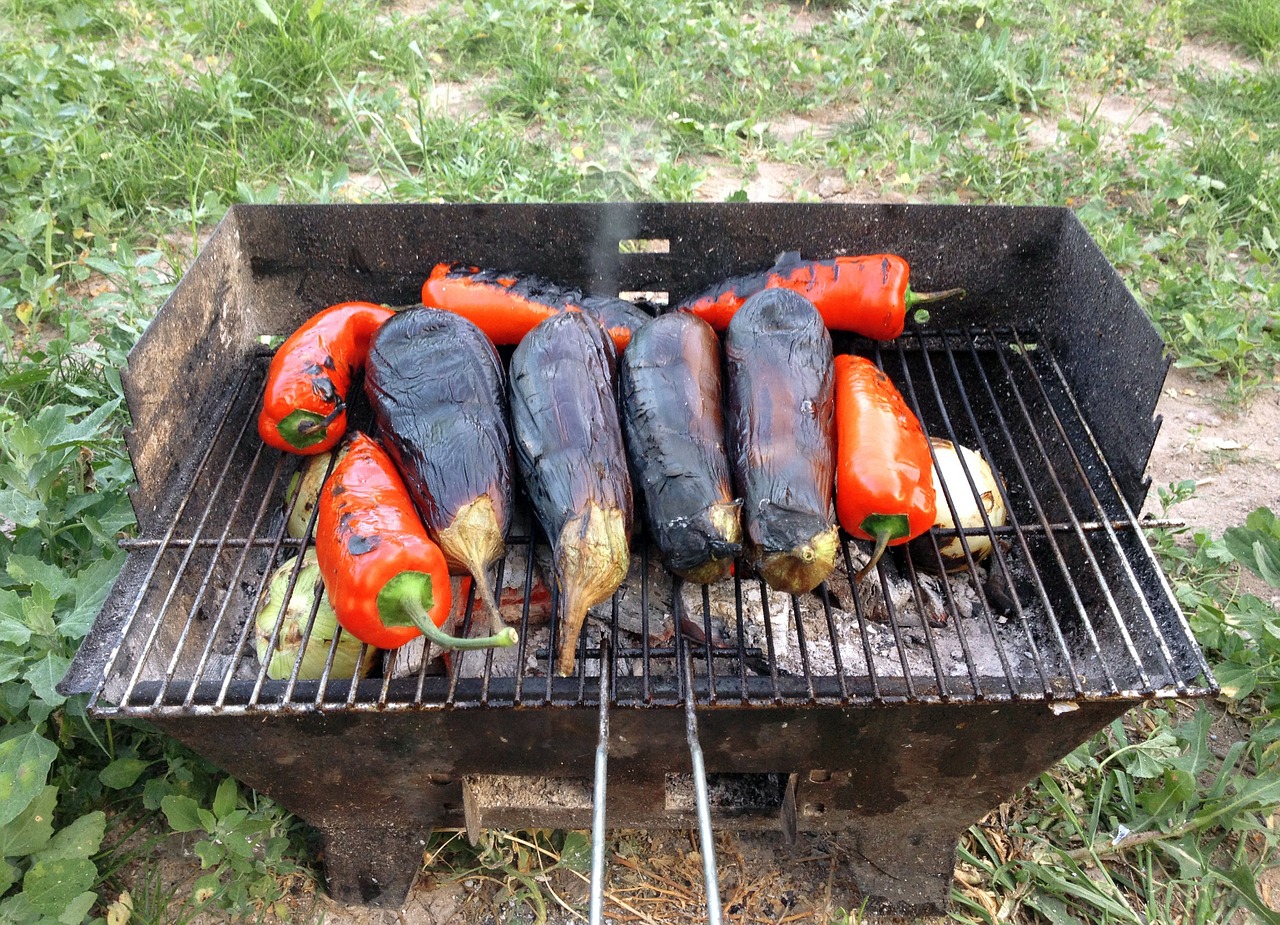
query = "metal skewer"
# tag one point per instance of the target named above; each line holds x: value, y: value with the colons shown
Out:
x: 706, y: 839
x: 599, y: 792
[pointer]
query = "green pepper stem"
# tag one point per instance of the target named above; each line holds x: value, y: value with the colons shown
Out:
x: 442, y: 640
x: 915, y: 298
x: 884, y: 527
x: 406, y: 599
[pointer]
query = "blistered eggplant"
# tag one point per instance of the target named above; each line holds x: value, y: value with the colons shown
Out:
x: 569, y: 448
x: 438, y: 393
x: 780, y: 424
x: 673, y: 423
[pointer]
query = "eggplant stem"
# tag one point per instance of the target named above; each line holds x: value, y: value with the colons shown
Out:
x: 416, y: 613
x: 882, y: 543
x: 484, y: 593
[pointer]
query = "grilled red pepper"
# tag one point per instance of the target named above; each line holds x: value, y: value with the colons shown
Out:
x: 507, y: 306
x: 387, y: 581
x: 866, y: 295
x: 884, y: 472
x: 304, y: 407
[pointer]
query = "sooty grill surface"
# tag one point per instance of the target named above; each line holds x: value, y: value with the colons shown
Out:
x: 1071, y: 606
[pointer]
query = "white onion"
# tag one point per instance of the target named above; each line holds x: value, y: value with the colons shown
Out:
x: 950, y: 471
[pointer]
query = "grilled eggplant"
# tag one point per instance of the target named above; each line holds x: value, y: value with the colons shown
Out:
x: 674, y: 427
x: 568, y: 444
x: 780, y: 424
x: 438, y: 393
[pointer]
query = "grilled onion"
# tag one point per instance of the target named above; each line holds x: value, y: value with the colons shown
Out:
x: 950, y: 480
x: 297, y: 610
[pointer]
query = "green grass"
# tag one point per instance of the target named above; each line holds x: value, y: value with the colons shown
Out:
x: 127, y: 128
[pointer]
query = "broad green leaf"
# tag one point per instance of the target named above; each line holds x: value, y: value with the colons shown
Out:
x: 45, y: 675
x: 1236, y: 681
x: 32, y: 829
x: 73, y: 433
x: 12, y: 627
x: 210, y: 853
x: 78, y: 908
x: 182, y: 812
x: 9, y: 875
x: 1246, y: 886
x: 24, y: 767
x: 122, y: 773
x: 206, y: 888
x: 1195, y: 732
x: 224, y: 801
x: 1186, y: 852
x: 22, y: 509
x: 11, y: 664
x: 51, y: 886
x: 1250, y: 793
x: 81, y: 839
x: 92, y: 585
x: 28, y: 570
x: 576, y: 853
x: 1150, y: 758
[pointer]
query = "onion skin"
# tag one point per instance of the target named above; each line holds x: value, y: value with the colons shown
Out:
x: 949, y: 474
x: 346, y: 658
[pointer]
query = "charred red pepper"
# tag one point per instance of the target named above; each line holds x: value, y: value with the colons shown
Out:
x: 507, y: 306
x: 865, y: 295
x: 387, y: 581
x: 304, y: 406
x: 884, y: 472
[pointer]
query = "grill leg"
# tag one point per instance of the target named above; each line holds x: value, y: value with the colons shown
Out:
x: 372, y: 866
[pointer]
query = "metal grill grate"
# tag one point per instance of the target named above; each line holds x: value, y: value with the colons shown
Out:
x: 1072, y: 605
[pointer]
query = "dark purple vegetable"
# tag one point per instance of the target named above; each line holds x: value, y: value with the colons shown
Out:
x: 780, y: 423
x: 674, y: 428
x: 439, y: 397
x: 568, y: 444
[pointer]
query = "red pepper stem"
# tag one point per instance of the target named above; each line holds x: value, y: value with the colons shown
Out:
x: 406, y: 600
x: 915, y: 298
x: 885, y: 528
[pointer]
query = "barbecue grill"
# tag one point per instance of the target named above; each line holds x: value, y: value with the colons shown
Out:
x: 899, y: 711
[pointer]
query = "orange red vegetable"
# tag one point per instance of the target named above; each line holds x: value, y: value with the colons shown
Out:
x: 387, y: 581
x: 884, y: 472
x: 507, y: 306
x: 304, y: 405
x: 866, y: 295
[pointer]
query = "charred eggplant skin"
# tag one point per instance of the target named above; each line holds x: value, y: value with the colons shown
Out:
x: 673, y: 422
x: 571, y: 457
x: 780, y: 416
x: 439, y: 397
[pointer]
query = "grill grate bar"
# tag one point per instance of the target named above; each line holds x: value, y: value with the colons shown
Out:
x: 1056, y: 478
x: 961, y: 632
x: 1022, y: 532
x: 937, y: 640
x: 1001, y: 564
x: 203, y: 587
x: 1027, y: 486
x: 1124, y: 561
x: 207, y: 652
x: 141, y: 659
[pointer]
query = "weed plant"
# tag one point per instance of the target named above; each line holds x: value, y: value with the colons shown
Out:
x: 127, y: 128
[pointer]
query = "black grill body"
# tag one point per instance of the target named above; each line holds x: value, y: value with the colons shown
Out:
x: 901, y: 715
